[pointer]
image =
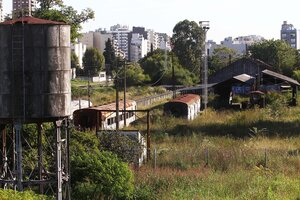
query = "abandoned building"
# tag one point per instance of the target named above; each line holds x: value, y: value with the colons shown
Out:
x: 247, y: 75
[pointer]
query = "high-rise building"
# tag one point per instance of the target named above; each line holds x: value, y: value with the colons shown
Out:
x: 164, y: 41
x: 120, y: 35
x: 138, y: 47
x: 96, y: 39
x: 153, y: 42
x: 290, y: 34
x: 23, y: 7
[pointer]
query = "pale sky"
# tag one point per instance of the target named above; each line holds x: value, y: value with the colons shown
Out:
x: 227, y: 17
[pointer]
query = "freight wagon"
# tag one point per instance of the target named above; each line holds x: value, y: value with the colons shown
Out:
x: 104, y: 117
x: 186, y: 106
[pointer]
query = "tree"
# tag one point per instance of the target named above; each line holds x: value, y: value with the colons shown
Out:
x: 109, y: 52
x: 93, y: 61
x: 276, y: 53
x: 158, y: 65
x: 220, y: 58
x: 48, y: 4
x: 74, y: 60
x: 188, y: 41
x: 55, y: 10
x: 110, y: 56
x: 134, y: 74
x: 296, y: 75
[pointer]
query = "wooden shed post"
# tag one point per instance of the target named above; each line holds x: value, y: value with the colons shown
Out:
x: 97, y: 122
x: 148, y: 136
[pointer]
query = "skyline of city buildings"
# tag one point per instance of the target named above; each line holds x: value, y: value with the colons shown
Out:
x: 136, y: 43
x: 131, y: 44
x: 240, y: 44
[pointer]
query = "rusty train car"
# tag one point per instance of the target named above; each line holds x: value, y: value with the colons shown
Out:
x: 104, y: 117
x: 185, y: 106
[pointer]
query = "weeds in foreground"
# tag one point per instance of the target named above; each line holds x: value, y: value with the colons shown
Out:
x: 224, y: 155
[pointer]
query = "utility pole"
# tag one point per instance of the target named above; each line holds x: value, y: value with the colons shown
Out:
x: 204, y: 25
x: 124, y: 63
x: 117, y: 103
x: 89, y: 94
x: 148, y: 136
x: 173, y: 78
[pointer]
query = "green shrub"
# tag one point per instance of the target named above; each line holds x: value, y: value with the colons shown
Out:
x: 126, y: 148
x: 97, y: 174
x: 28, y: 195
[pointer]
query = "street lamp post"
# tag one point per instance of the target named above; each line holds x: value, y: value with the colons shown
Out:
x: 204, y: 25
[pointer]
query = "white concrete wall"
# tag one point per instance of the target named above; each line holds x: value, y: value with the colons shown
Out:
x: 79, y: 49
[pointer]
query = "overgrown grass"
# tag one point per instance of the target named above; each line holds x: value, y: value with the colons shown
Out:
x: 103, y: 94
x: 251, y: 154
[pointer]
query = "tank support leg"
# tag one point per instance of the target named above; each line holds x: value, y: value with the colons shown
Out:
x: 40, y: 155
x: 4, y: 154
x: 67, y: 177
x: 58, y: 160
x: 19, y: 177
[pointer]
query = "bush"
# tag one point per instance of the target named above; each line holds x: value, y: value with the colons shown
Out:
x: 276, y: 103
x: 97, y: 174
x: 127, y: 149
x: 28, y: 195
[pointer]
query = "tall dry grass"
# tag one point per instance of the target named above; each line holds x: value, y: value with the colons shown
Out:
x: 251, y: 154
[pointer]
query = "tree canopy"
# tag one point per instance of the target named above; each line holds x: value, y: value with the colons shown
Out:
x: 134, y: 74
x: 55, y: 10
x: 188, y: 41
x: 276, y: 53
x: 93, y: 61
x: 109, y: 52
x: 158, y: 65
x: 221, y: 57
x: 110, y: 57
x: 74, y: 60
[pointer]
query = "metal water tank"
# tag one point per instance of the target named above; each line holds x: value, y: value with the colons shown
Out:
x: 35, y: 70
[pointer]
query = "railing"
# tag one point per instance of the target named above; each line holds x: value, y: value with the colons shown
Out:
x: 151, y: 99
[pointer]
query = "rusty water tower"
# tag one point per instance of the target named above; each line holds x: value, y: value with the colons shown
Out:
x: 35, y: 87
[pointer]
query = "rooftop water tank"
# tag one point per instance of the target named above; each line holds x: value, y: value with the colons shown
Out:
x: 35, y: 70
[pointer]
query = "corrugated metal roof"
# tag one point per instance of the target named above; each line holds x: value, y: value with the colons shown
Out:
x: 31, y: 20
x: 280, y: 76
x: 243, y: 77
x: 187, y: 98
x: 111, y: 107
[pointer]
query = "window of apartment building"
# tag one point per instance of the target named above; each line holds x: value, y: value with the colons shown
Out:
x: 293, y: 45
x: 293, y: 40
x: 283, y: 35
x: 293, y: 35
